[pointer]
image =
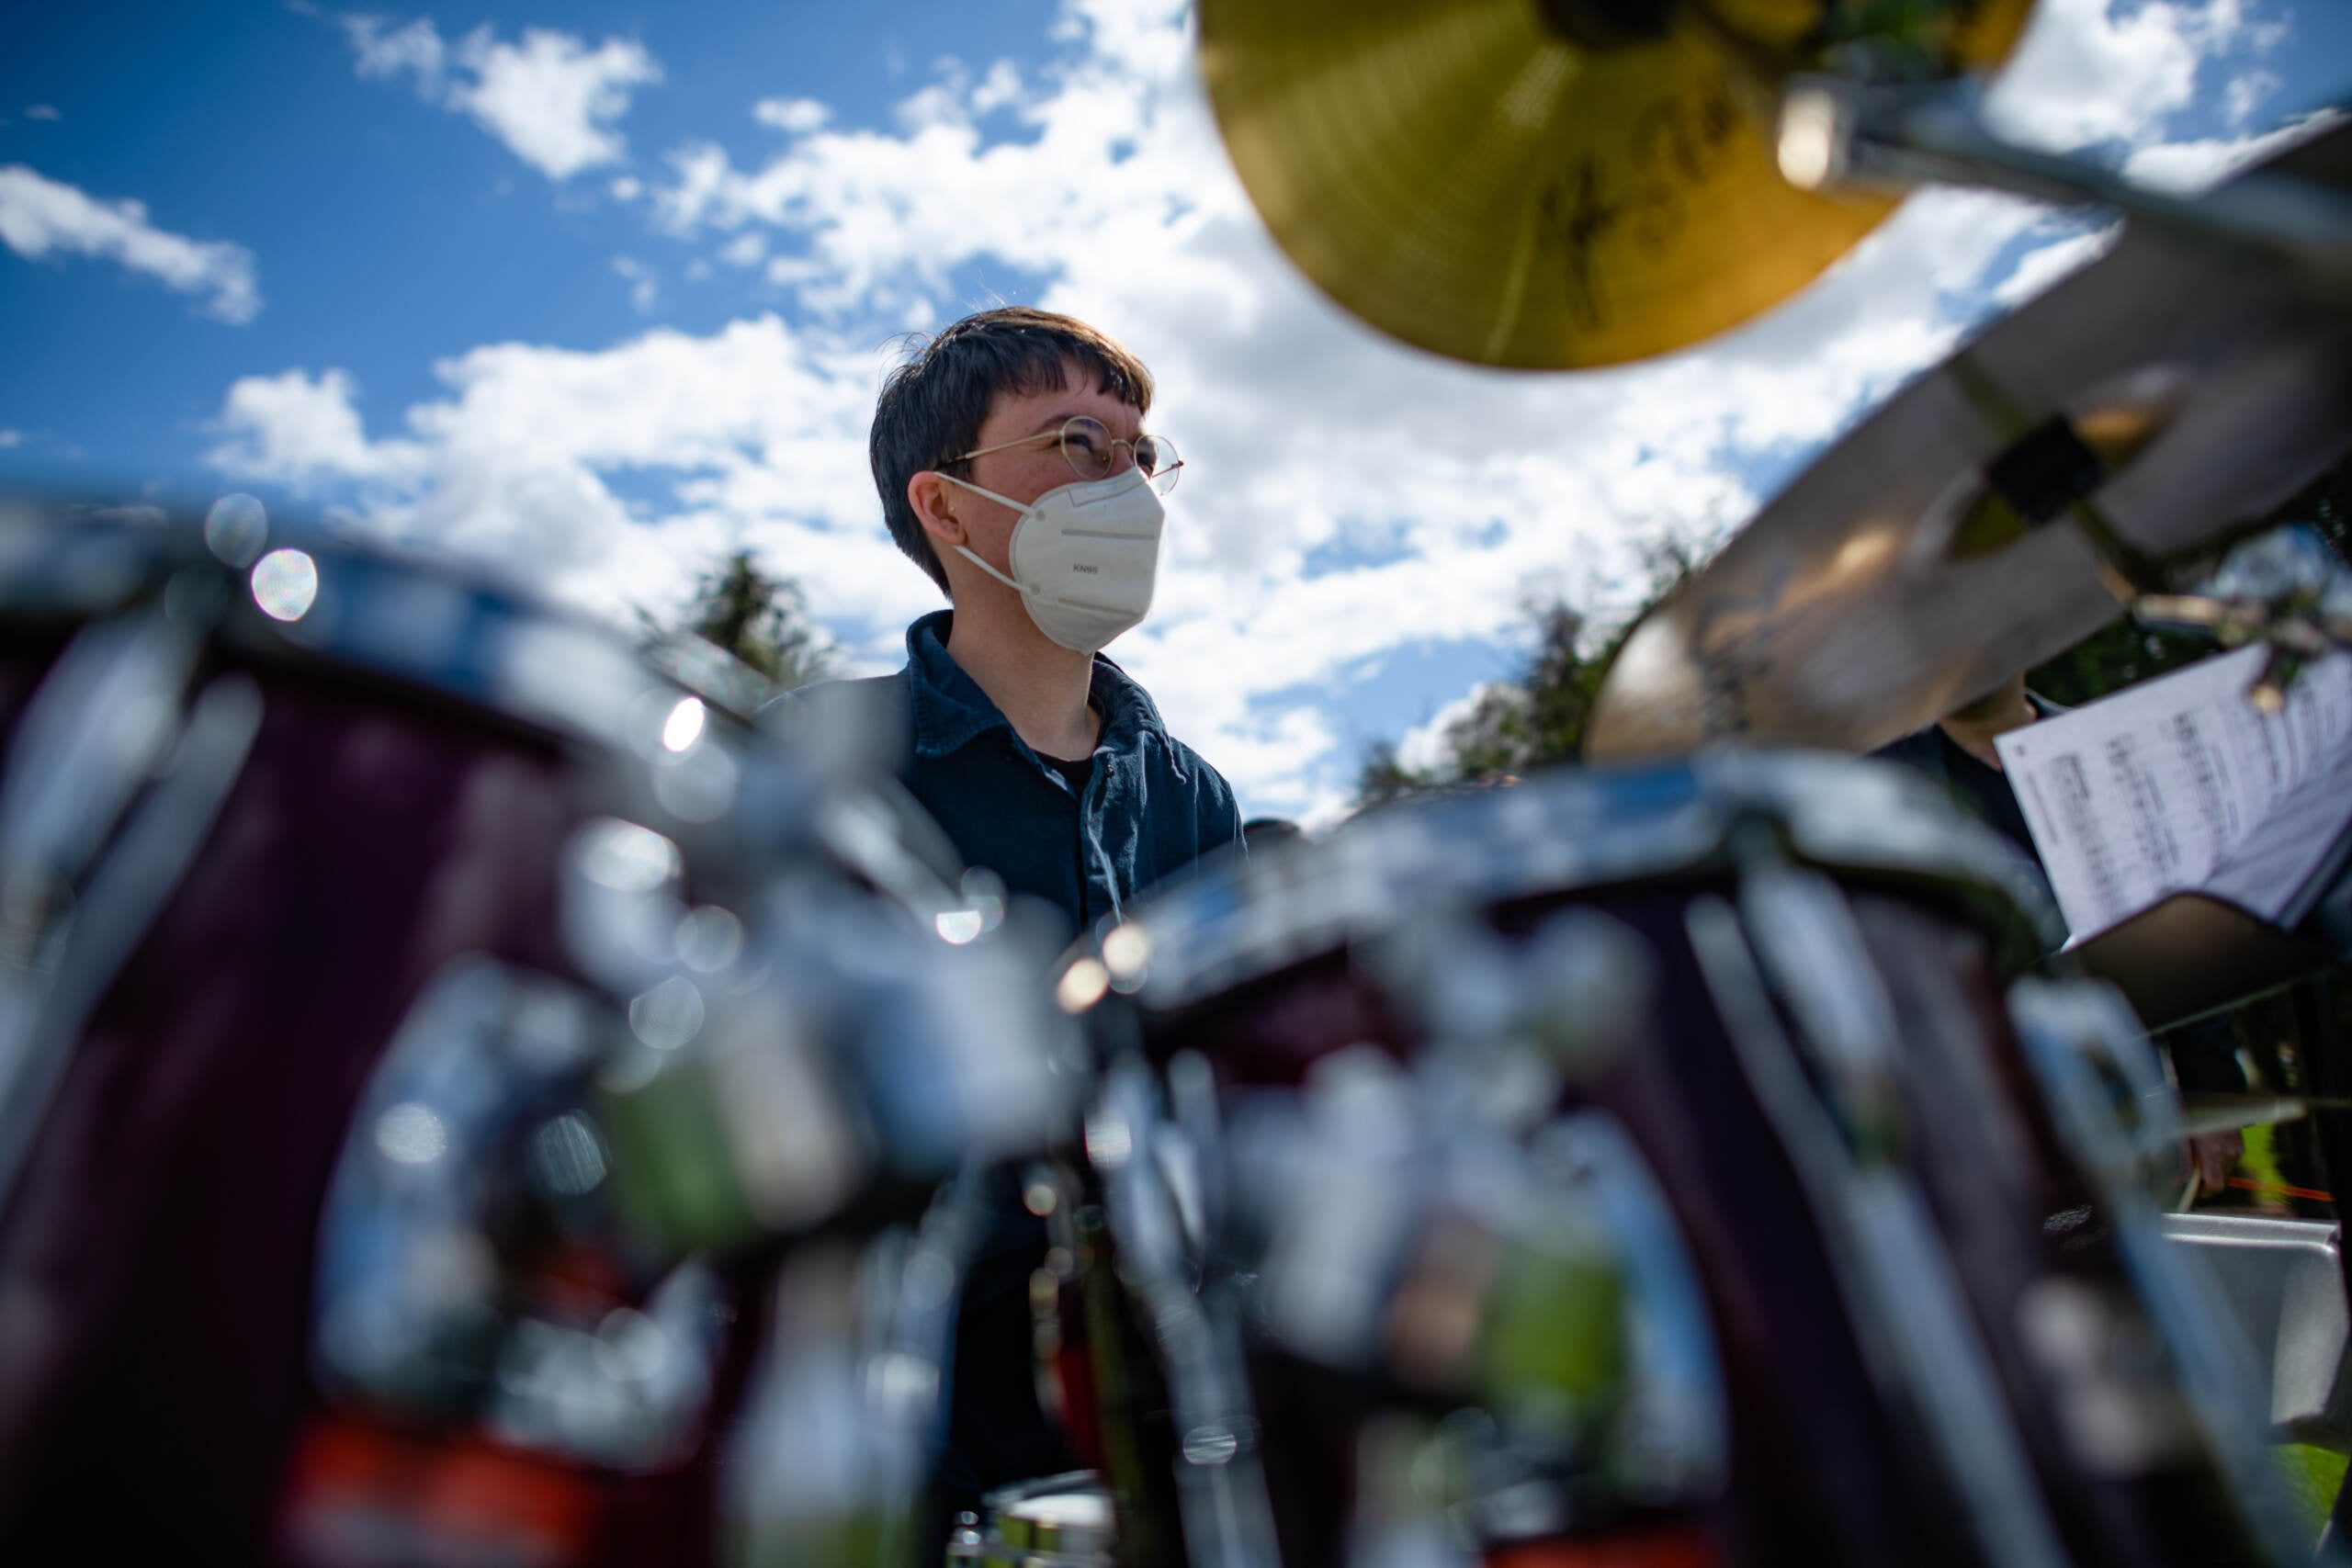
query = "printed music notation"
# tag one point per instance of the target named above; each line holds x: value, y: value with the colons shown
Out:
x: 2181, y: 784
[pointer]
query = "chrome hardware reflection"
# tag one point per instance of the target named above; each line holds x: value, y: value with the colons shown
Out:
x: 80, y: 878
x: 710, y: 939
x: 88, y: 739
x: 2108, y: 1093
x: 1845, y: 1138
x: 236, y: 528
x: 286, y: 584
x: 51, y: 983
x: 828, y: 1466
x: 1197, y: 1318
x: 624, y: 1391
x: 2284, y: 1282
x: 619, y: 904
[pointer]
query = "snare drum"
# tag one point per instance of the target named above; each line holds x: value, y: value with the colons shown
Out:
x: 1941, y: 1337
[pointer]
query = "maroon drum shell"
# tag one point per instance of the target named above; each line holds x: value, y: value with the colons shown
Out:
x: 1820, y: 1472
x: 157, y: 1258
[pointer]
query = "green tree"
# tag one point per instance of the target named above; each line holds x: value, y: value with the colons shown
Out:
x: 1537, y: 719
x: 760, y: 620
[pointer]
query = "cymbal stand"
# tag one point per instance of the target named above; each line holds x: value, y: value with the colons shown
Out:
x: 1834, y: 130
x: 2283, y: 588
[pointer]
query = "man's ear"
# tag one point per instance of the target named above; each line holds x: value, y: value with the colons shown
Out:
x: 934, y: 500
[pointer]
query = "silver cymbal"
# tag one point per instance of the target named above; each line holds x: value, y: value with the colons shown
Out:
x: 2172, y: 391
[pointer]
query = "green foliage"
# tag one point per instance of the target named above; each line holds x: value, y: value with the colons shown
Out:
x: 1538, y: 719
x: 2314, y: 1475
x: 2326, y: 504
x: 760, y: 620
x: 2122, y: 654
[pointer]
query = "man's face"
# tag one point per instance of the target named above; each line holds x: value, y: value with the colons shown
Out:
x: 1025, y: 472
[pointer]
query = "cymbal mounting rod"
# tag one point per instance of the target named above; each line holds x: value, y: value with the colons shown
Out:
x: 1836, y: 132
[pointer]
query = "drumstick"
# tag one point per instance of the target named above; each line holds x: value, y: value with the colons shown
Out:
x: 2225, y: 1112
x: 2189, y: 1192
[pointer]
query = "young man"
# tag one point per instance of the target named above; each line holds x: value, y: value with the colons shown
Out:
x: 1014, y: 469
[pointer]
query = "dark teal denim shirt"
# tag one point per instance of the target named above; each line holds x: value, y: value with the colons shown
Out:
x: 1149, y: 808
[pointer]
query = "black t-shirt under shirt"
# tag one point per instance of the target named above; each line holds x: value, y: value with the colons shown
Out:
x: 1074, y: 774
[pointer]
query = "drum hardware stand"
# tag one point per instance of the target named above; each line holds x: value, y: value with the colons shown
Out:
x: 1834, y: 131
x: 853, y: 1396
x: 1888, y: 1267
x: 2049, y: 471
x: 828, y: 1461
x: 83, y: 871
x: 2329, y: 1058
x: 2282, y: 588
x: 1220, y: 1483
x: 908, y: 1378
x: 2074, y: 1038
x: 1589, y: 1157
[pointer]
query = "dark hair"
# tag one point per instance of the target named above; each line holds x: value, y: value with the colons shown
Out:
x: 931, y: 406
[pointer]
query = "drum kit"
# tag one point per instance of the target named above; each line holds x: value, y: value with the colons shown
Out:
x: 473, y: 1091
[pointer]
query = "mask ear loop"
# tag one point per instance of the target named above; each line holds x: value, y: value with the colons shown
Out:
x: 1001, y: 500
x: 967, y: 551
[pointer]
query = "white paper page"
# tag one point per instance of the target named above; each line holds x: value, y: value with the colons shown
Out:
x: 2152, y: 790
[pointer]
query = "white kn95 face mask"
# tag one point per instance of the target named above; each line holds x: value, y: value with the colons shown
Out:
x: 1084, y: 556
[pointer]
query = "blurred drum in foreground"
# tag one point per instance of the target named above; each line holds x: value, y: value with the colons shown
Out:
x: 1442, y: 1115
x: 422, y: 1020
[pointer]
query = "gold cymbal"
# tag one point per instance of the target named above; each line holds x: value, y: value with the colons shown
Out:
x: 1479, y: 178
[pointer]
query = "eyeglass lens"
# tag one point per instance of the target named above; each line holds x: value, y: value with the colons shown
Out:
x: 1091, y: 451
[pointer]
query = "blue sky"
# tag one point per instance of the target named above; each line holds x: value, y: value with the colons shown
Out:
x: 598, y: 291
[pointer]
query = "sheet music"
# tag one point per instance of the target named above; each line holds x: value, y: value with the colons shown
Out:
x: 2180, y: 783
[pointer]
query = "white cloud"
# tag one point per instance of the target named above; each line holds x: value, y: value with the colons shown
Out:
x: 2188, y: 167
x: 794, y: 116
x: 551, y: 98
x: 2243, y: 94
x: 295, y: 428
x: 11, y: 438
x: 1000, y: 88
x: 42, y: 111
x: 753, y: 436
x: 1459, y: 491
x: 645, y: 289
x: 2094, y: 71
x: 381, y: 50
x: 1423, y: 748
x: 2037, y: 270
x: 41, y: 217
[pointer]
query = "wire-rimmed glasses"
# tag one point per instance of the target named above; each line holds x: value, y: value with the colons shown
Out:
x: 1092, y: 452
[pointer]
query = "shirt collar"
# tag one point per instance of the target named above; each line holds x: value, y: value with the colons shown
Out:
x: 950, y: 711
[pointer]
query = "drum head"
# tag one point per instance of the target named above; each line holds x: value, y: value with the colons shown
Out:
x: 1574, y: 832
